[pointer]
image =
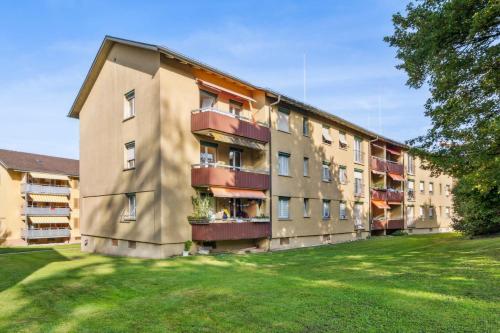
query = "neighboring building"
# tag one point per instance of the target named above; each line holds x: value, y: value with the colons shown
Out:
x: 157, y: 127
x: 39, y: 199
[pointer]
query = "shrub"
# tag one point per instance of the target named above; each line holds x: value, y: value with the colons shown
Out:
x: 399, y: 233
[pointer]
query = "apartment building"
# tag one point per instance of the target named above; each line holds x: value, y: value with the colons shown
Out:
x: 39, y: 199
x: 163, y: 135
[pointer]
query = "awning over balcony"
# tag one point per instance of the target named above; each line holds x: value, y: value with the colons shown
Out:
x: 396, y: 177
x: 225, y: 90
x: 393, y: 151
x: 378, y: 172
x: 48, y: 198
x: 394, y: 202
x: 380, y: 204
x: 223, y: 192
x: 238, y: 141
x: 48, y: 219
x: 42, y: 175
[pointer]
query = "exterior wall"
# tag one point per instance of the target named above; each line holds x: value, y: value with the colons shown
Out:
x: 315, y: 240
x: 439, y: 200
x: 103, y: 134
x: 298, y: 187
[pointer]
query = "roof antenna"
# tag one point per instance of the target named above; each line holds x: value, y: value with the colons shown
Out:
x: 305, y: 95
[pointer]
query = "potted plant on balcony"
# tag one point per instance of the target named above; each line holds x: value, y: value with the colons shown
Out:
x: 260, y: 218
x: 187, y: 248
x: 202, y: 209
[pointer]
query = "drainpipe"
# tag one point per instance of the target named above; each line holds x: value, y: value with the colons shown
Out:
x: 370, y: 185
x: 271, y: 170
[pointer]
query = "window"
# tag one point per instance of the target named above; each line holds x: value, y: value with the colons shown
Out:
x: 358, y: 183
x: 440, y: 211
x: 411, y: 190
x: 305, y: 126
x: 358, y: 209
x: 207, y: 99
x: 208, y: 153
x: 326, y: 135
x: 411, y: 165
x: 129, y: 105
x: 132, y: 206
x: 284, y: 208
x: 325, y: 174
x: 284, y: 241
x: 447, y: 211
x: 283, y: 120
x: 421, y: 212
x: 358, y: 153
x: 342, y: 211
x: 422, y: 187
x: 307, y: 211
x: 283, y: 164
x: 342, y: 175
x: 409, y: 214
x: 342, y: 140
x: 114, y: 242
x: 306, y: 167
x: 132, y: 244
x: 447, y: 190
x: 431, y: 188
x: 235, y: 157
x: 326, y: 209
x: 130, y: 155
x: 431, y: 212
x: 235, y: 107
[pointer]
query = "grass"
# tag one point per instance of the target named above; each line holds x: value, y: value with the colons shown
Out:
x: 394, y: 284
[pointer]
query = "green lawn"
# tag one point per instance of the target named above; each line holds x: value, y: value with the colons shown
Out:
x: 396, y: 284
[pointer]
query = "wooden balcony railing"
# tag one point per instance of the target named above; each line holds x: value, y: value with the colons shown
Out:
x: 396, y: 168
x: 379, y: 195
x: 213, y: 174
x: 230, y: 231
x: 212, y: 119
x: 393, y: 196
x: 378, y: 164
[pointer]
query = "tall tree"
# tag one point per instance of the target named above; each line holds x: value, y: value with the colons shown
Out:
x: 452, y: 46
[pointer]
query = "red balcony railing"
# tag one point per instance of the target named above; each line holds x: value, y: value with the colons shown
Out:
x: 393, y: 196
x: 378, y: 164
x: 213, y: 174
x: 378, y: 224
x: 211, y: 119
x: 230, y: 231
x: 379, y: 195
x: 395, y: 224
x: 396, y: 168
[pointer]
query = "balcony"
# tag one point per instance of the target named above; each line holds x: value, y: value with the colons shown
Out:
x: 396, y: 223
x: 45, y: 211
x: 378, y: 224
x: 214, y: 174
x: 379, y: 195
x: 378, y: 164
x: 45, y: 233
x: 394, y: 167
x: 395, y: 196
x: 230, y: 231
x: 207, y: 119
x: 45, y: 189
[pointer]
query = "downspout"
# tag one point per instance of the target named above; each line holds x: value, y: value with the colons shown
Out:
x: 271, y: 169
x: 370, y: 185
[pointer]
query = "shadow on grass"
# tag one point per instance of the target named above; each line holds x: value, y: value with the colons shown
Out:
x: 404, y: 284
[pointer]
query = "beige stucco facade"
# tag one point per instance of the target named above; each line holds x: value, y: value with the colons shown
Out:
x: 174, y: 159
x: 52, y: 228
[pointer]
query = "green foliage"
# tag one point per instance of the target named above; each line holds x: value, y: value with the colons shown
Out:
x: 451, y: 46
x: 399, y: 233
x: 476, y: 212
x: 187, y: 245
x: 202, y: 205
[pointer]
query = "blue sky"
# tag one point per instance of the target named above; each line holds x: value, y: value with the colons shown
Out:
x: 48, y: 46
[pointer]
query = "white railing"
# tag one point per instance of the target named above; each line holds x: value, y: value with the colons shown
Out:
x: 225, y: 166
x: 45, y: 189
x: 45, y: 211
x: 45, y: 233
x: 228, y: 114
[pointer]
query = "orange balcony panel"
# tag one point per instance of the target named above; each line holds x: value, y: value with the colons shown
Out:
x: 379, y: 195
x: 378, y: 164
x: 230, y: 231
x: 378, y: 225
x: 395, y: 168
x: 394, y: 196
x: 226, y: 177
x: 395, y: 224
x: 216, y: 121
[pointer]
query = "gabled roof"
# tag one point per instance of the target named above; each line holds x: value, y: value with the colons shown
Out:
x: 109, y: 41
x: 19, y: 161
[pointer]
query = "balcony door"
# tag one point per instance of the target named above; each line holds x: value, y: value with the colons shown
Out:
x: 409, y: 214
x: 208, y: 153
x: 235, y: 158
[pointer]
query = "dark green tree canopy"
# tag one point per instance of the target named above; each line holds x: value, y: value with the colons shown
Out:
x: 452, y: 46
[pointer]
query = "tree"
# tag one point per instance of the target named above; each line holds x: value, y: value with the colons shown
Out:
x: 452, y: 46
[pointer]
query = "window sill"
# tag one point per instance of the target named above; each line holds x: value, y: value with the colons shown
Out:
x: 326, y: 181
x: 343, y: 148
x: 307, y: 176
x: 128, y: 118
x: 282, y: 131
x: 307, y: 217
x: 128, y: 169
x: 284, y: 219
x: 327, y: 143
x: 344, y: 219
x: 288, y: 176
x: 129, y: 220
x: 359, y: 163
x: 327, y: 218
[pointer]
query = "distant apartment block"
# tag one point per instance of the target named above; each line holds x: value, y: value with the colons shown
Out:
x: 39, y: 199
x: 158, y: 128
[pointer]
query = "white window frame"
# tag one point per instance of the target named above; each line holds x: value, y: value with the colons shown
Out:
x: 447, y: 211
x: 430, y: 212
x: 325, y: 135
x: 358, y: 150
x: 326, y: 211
x: 284, y: 208
x: 129, y: 105
x: 305, y: 127
x: 283, y: 121
x: 129, y: 155
x: 357, y: 213
x: 431, y: 188
x: 358, y: 183
x: 342, y: 210
x: 131, y: 206
x: 342, y: 175
x: 343, y: 140
x: 283, y: 164
x: 411, y: 165
x: 421, y: 186
x: 325, y: 172
x: 421, y: 212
